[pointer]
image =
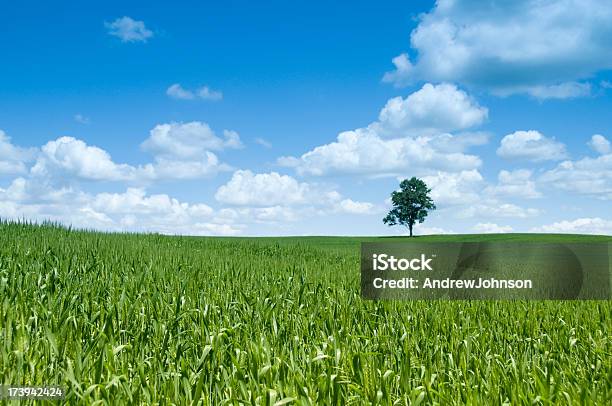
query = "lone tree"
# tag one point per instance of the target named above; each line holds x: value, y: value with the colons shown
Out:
x: 410, y: 204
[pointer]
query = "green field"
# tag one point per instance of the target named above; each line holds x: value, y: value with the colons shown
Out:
x: 145, y: 319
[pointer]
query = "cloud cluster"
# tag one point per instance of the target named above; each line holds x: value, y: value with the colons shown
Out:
x: 532, y: 146
x: 586, y: 225
x: 132, y: 210
x: 542, y: 48
x: 262, y: 189
x: 180, y: 151
x: 410, y: 135
x: 460, y: 188
x: 517, y: 184
x: 587, y: 176
x: 188, y: 140
x: 51, y: 187
x: 70, y: 156
x: 430, y: 110
x: 497, y: 209
x: 246, y: 188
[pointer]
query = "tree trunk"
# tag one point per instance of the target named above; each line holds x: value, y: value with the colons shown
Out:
x: 410, y: 228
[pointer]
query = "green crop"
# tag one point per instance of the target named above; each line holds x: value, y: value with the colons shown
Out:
x: 150, y: 319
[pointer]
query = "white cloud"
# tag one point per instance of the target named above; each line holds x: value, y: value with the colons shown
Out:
x: 495, y: 209
x: 273, y: 198
x: 404, y: 71
x: 72, y: 156
x: 516, y: 183
x: 532, y: 146
x: 600, y: 144
x: 262, y: 189
x: 132, y: 210
x: 353, y: 207
x: 184, y: 150
x: 207, y: 165
x: 176, y: 91
x: 539, y: 47
x: 129, y: 30
x: 458, y: 142
x: 587, y: 225
x: 588, y: 176
x: 459, y: 188
x: 136, y: 201
x: 13, y: 159
x: 491, y: 228
x: 188, y: 140
x: 278, y: 215
x: 409, y: 136
x: 567, y: 90
x: 364, y: 152
x: 181, y: 151
x: 432, y: 109
x: 16, y: 190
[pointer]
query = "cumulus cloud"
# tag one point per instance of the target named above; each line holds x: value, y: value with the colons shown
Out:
x: 586, y: 225
x: 271, y: 197
x: 176, y: 91
x: 180, y: 151
x: 532, y: 146
x: 353, y: 207
x: 132, y: 210
x: 277, y: 215
x: 184, y: 150
x: 410, y: 134
x: 491, y: 228
x: 432, y: 109
x: 129, y: 30
x: 587, y: 176
x: 262, y: 189
x: 72, y: 156
x: 136, y: 201
x: 13, y: 159
x: 496, y: 209
x: 600, y: 144
x: 364, y: 152
x: 207, y: 165
x: 459, y: 188
x: 544, y: 48
x: 517, y: 183
x: 137, y: 211
x: 188, y: 140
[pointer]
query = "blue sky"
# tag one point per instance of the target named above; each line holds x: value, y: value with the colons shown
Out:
x: 298, y: 118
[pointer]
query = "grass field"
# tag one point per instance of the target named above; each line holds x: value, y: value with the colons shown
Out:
x: 145, y: 319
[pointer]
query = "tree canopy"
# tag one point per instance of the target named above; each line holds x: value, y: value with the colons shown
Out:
x: 411, y: 204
